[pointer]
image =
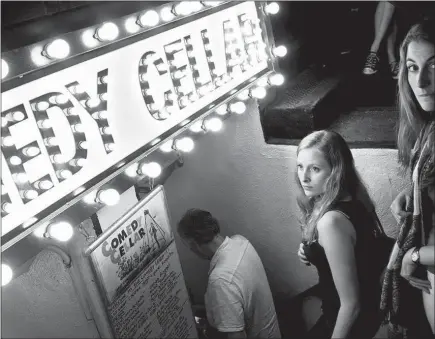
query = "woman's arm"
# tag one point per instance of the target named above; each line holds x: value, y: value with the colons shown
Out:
x: 401, y: 206
x: 338, y: 237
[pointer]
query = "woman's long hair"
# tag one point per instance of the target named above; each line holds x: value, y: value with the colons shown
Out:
x: 412, y: 118
x: 344, y: 179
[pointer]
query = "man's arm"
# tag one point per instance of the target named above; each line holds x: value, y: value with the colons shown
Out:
x: 225, y: 311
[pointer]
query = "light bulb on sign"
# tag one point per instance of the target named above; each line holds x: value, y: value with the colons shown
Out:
x: 78, y: 162
x: 40, y: 230
x: 132, y: 170
x: 90, y: 198
x: 41, y: 106
x: 195, y: 6
x: 212, y: 3
x: 100, y: 115
x: 276, y: 79
x: 196, y: 127
x: 110, y: 146
x: 259, y: 92
x: 107, y: 32
x: 16, y: 116
x: 183, y: 8
x: 244, y: 95
x: 20, y: 178
x: 152, y: 169
x: 103, y: 96
x: 29, y: 194
x: 44, y: 123
x: 71, y: 111
x: 184, y: 144
x: 222, y: 110
x: 213, y: 124
x: 7, y: 207
x: 238, y: 107
x: 103, y: 79
x: 64, y: 174
x: 279, y: 51
x: 43, y: 184
x: 8, y: 141
x: 5, y: 69
x: 88, y: 38
x: 57, y: 49
x: 92, y: 103
x: 272, y: 8
x: 78, y: 128
x: 166, y: 14
x: 149, y: 18
x: 262, y: 82
x: 58, y: 158
x: 60, y: 99
x: 62, y: 231
x: 131, y: 25
x: 7, y: 274
x: 167, y: 146
x: 83, y: 145
x: 14, y: 160
x: 31, y: 151
x: 77, y: 89
x: 108, y: 196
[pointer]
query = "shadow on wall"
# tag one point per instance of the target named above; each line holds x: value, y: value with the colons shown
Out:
x: 42, y: 303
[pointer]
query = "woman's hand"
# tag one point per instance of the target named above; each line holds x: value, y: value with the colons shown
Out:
x: 401, y: 207
x: 301, y: 255
x: 408, y: 268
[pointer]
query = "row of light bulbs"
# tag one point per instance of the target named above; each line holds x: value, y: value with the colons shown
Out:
x: 63, y: 231
x: 59, y: 49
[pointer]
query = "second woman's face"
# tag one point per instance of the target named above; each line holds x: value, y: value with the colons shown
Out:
x: 313, y: 171
x: 420, y: 66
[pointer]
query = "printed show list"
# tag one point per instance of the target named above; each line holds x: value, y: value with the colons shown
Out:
x: 156, y: 304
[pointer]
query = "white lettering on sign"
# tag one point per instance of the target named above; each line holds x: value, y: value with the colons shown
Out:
x: 61, y: 131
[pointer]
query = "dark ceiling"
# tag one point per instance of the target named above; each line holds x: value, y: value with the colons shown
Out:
x: 27, y: 22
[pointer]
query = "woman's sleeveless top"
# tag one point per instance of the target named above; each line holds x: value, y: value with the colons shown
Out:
x: 369, y: 284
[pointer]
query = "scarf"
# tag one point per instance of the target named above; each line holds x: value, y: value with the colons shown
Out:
x: 411, y: 234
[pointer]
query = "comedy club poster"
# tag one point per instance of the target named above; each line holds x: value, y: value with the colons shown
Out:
x: 144, y: 235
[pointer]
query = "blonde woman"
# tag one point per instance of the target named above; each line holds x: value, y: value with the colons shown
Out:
x: 339, y: 228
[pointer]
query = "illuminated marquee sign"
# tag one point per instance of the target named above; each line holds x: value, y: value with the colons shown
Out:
x: 61, y: 131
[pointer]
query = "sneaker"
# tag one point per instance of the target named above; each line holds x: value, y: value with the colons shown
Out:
x: 372, y: 64
x: 394, y: 68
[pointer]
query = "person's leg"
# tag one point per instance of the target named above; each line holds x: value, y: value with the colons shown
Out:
x: 391, y: 51
x: 383, y: 16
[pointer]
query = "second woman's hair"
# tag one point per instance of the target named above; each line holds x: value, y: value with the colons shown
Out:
x: 412, y: 118
x: 344, y: 179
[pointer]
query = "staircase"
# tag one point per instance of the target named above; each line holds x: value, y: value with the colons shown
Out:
x: 361, y: 108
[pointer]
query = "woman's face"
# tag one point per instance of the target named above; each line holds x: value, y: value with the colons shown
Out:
x: 313, y: 171
x: 420, y: 66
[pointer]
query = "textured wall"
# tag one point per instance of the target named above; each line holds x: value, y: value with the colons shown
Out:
x: 248, y: 185
x: 42, y: 303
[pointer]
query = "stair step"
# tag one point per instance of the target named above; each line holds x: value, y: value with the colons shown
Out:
x: 304, y: 107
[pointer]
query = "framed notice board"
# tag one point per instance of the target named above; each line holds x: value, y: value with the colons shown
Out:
x: 140, y: 276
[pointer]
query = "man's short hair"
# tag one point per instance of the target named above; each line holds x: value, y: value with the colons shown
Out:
x: 198, y: 225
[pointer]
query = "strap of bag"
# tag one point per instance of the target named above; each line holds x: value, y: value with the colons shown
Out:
x: 379, y: 224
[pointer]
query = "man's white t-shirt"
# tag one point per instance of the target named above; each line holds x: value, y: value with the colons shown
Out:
x: 238, y: 295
